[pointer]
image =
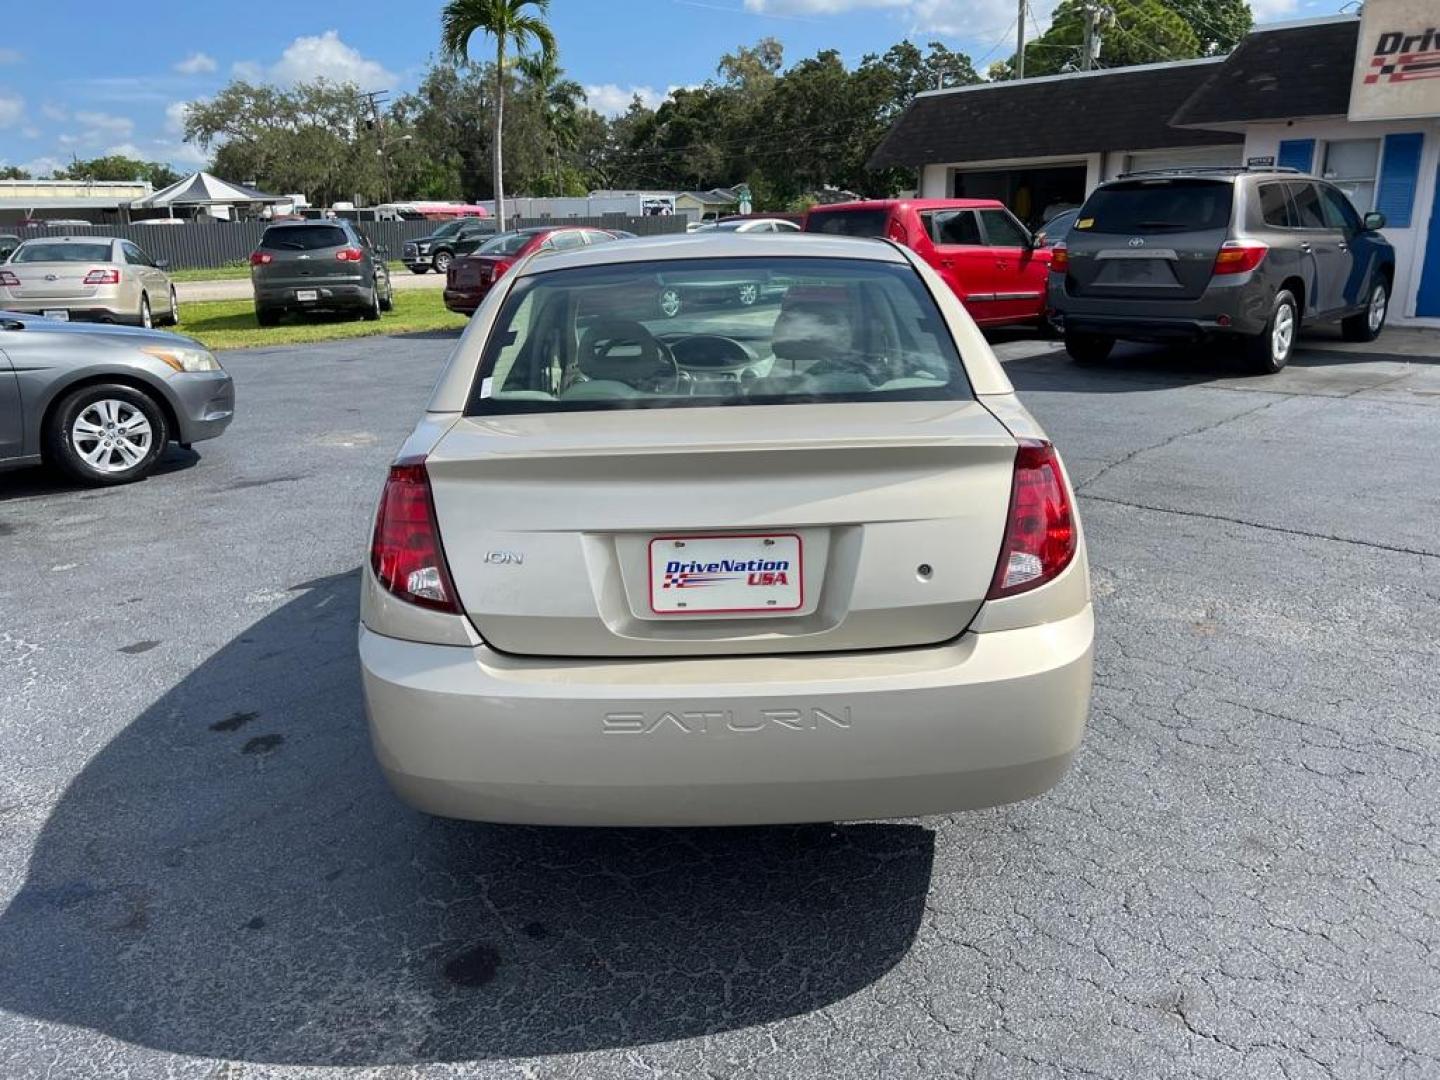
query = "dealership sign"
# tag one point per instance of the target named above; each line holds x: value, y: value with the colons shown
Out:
x: 1397, y: 62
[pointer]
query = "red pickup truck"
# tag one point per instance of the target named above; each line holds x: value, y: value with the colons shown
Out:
x: 979, y: 248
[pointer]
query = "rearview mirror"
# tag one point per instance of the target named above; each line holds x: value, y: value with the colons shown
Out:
x: 162, y: 264
x: 1374, y: 221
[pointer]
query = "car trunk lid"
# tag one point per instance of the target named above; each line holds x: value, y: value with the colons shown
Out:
x: 476, y: 271
x: 52, y: 281
x: 560, y: 531
x: 1149, y: 239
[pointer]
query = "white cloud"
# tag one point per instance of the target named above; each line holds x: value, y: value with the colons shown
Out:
x: 966, y: 19
x: 51, y: 111
x: 67, y: 139
x: 99, y: 123
x: 196, y: 64
x: 322, y: 57
x: 610, y: 99
x: 128, y: 149
x: 175, y: 114
x: 43, y: 166
x: 1272, y: 10
x: 30, y: 132
x: 183, y: 154
x: 10, y: 56
x: 12, y: 109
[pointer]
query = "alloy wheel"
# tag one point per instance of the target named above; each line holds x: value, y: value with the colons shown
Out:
x: 111, y: 436
x: 1282, y: 335
x: 1378, y: 303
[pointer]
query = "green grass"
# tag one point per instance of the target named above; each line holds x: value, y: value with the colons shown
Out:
x: 232, y: 271
x: 230, y: 324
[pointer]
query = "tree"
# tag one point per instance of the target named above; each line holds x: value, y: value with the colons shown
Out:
x: 1135, y: 32
x: 13, y: 172
x: 557, y: 101
x: 506, y: 21
x: 1220, y: 24
x: 119, y: 167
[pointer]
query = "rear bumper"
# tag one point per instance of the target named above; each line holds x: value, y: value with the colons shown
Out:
x: 327, y: 296
x: 471, y: 733
x: 464, y: 301
x: 89, y: 311
x: 1240, y: 309
x: 204, y: 403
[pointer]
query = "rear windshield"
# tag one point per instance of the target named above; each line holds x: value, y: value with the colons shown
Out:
x: 715, y: 332
x: 1157, y: 206
x: 504, y: 244
x: 450, y: 228
x: 848, y: 222
x: 43, y: 253
x: 304, y: 238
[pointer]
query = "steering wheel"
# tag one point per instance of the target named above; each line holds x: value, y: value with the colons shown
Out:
x: 650, y: 370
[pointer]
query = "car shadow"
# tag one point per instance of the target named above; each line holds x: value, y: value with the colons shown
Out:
x: 44, y: 480
x: 230, y: 878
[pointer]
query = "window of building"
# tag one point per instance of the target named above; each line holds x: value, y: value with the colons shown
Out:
x: 1352, y: 165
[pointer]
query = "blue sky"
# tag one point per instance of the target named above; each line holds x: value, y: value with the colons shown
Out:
x: 86, y: 79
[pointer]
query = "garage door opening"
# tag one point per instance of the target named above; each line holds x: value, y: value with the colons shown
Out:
x: 1033, y: 194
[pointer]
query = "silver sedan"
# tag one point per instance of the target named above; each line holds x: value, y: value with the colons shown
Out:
x: 88, y: 279
x: 102, y: 403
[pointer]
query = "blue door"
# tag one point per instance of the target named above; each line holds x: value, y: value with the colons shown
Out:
x: 1427, y: 302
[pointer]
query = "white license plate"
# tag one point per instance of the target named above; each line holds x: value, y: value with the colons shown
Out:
x: 303, y: 295
x: 59, y: 314
x: 709, y: 575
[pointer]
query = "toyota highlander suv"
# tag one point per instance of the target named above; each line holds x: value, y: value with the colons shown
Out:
x: 796, y: 562
x: 1185, y: 255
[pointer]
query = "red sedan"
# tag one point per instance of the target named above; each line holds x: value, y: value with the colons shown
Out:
x: 470, y: 276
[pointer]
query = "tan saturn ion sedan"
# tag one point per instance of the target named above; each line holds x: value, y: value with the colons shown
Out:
x: 804, y: 560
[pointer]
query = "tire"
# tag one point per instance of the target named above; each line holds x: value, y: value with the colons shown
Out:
x: 420, y: 269
x: 76, y: 433
x: 441, y: 261
x: 267, y: 316
x: 387, y: 298
x: 1366, y: 325
x: 372, y: 313
x: 146, y: 320
x: 173, y: 317
x: 1267, y: 352
x: 1087, y: 349
x: 669, y: 303
x: 748, y: 294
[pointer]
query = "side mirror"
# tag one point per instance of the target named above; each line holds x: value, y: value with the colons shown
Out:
x: 1374, y: 221
x: 382, y: 249
x: 162, y: 264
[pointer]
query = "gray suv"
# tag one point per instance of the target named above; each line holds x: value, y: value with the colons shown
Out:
x: 1186, y: 255
x: 318, y: 266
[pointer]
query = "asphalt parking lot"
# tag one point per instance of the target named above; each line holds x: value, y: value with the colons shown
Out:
x: 202, y: 873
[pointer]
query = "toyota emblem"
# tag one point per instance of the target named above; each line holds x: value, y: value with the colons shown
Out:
x: 1137, y: 241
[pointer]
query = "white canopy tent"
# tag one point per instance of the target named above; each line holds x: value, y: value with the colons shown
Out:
x: 201, y: 189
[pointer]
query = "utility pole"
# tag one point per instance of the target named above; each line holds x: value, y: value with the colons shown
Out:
x: 377, y: 125
x: 1085, y: 49
x: 1020, y: 40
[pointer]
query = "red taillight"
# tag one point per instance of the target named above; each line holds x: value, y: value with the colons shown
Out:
x: 1059, y: 259
x: 1239, y: 256
x: 896, y: 231
x: 8, y: 279
x: 1040, y: 532
x: 349, y: 254
x: 261, y: 258
x: 405, y: 552
x: 103, y: 277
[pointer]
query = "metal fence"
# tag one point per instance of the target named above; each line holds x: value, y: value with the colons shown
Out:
x: 192, y: 246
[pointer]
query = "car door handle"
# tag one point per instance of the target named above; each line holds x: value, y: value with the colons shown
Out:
x: 1344, y: 246
x: 1305, y: 246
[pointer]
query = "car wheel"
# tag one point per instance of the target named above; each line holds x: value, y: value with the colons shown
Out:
x: 372, y: 313
x: 145, y: 320
x: 670, y: 303
x: 1269, y: 351
x: 107, y: 434
x: 442, y: 262
x: 173, y: 317
x: 748, y: 294
x: 267, y: 316
x: 1087, y: 349
x: 387, y: 298
x: 1366, y: 326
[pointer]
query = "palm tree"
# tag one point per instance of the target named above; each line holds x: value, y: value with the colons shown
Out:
x: 506, y: 21
x: 559, y: 99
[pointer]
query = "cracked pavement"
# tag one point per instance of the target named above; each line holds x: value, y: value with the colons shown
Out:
x: 203, y: 875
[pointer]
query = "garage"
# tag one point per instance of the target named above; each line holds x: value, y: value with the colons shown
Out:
x: 1146, y: 160
x: 1033, y: 193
